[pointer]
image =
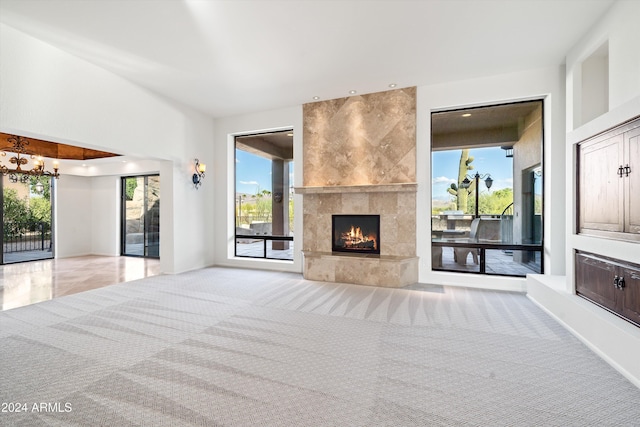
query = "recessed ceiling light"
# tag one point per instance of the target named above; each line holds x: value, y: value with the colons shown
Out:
x: 392, y: 85
x: 289, y: 134
x: 466, y: 115
x: 352, y: 92
x: 316, y: 97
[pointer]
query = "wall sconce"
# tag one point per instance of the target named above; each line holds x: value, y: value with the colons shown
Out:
x: 508, y: 151
x: 198, y: 176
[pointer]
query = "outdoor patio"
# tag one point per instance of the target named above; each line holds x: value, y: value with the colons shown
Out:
x: 497, y: 262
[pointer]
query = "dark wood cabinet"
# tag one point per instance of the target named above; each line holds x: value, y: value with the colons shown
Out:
x: 610, y: 283
x: 632, y: 195
x: 609, y: 183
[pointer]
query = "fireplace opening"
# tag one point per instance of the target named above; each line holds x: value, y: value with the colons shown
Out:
x: 356, y: 233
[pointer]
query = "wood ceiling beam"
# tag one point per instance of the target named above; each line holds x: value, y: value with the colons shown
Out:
x: 54, y: 150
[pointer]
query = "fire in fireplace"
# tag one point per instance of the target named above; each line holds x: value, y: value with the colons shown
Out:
x: 356, y: 233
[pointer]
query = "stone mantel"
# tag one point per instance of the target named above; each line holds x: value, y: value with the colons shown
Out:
x: 410, y: 187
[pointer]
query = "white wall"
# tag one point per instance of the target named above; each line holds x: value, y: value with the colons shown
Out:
x: 73, y: 215
x: 51, y: 95
x: 619, y: 27
x: 105, y: 215
x: 226, y: 130
x: 546, y: 84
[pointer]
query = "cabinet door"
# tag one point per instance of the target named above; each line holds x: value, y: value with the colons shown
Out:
x: 600, y: 187
x: 594, y: 281
x: 631, y: 300
x: 632, y: 190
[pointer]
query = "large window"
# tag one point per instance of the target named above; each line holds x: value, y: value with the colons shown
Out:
x: 263, y: 196
x: 486, y: 208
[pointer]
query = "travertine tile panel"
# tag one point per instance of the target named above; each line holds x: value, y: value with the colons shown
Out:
x: 384, y: 203
x: 367, y: 139
x: 311, y: 203
x: 355, y: 203
x: 405, y: 249
x: 406, y: 202
x: 310, y: 233
x: 329, y: 204
x: 320, y: 268
x: 366, y: 270
x: 406, y: 224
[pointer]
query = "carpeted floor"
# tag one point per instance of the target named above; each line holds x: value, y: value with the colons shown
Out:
x: 240, y: 347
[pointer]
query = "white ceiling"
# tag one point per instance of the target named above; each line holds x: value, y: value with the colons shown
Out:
x: 228, y: 57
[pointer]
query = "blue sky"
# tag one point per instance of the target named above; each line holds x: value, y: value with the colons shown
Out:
x: 253, y: 173
x: 486, y: 160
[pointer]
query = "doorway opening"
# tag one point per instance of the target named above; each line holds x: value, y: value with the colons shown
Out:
x: 27, y: 218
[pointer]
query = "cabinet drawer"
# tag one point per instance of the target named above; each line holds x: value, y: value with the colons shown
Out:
x: 594, y: 281
x: 610, y: 283
x: 631, y: 301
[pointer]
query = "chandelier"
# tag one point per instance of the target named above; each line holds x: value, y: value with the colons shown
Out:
x: 19, y: 147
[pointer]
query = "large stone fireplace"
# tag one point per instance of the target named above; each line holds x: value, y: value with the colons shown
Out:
x: 359, y: 159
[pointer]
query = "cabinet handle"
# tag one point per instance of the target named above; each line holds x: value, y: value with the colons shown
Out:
x: 627, y: 170
x: 621, y: 283
x: 620, y: 171
x: 615, y: 281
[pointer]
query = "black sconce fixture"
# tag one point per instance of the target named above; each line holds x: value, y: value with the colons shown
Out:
x: 466, y: 183
x: 508, y: 151
x: 198, y: 176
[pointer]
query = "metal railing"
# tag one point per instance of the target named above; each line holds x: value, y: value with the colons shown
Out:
x: 23, y: 240
x: 483, y: 247
x: 265, y: 250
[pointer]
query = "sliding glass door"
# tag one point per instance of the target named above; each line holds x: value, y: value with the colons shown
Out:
x: 141, y: 216
x: 26, y: 216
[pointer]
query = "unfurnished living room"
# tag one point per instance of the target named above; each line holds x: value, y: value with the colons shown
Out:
x: 353, y: 213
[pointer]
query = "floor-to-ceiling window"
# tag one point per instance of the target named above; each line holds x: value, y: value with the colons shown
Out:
x: 264, y: 195
x: 486, y: 208
x: 141, y: 216
x: 27, y: 227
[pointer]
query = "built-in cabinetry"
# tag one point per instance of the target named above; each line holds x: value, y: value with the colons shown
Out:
x: 610, y: 283
x: 609, y: 183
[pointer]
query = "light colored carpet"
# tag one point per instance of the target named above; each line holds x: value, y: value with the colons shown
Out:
x: 239, y: 347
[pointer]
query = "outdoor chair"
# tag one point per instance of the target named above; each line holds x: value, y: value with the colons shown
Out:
x: 461, y: 254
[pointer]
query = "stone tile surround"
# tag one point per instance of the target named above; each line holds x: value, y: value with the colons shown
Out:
x: 359, y: 159
x: 397, y: 264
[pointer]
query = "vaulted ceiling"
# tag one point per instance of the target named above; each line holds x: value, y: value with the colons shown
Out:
x: 228, y: 57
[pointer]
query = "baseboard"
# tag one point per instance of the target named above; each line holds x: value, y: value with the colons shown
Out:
x: 614, y: 340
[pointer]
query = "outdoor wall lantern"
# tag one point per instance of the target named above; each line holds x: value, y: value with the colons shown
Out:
x: 466, y: 183
x: 508, y: 150
x: 198, y: 176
